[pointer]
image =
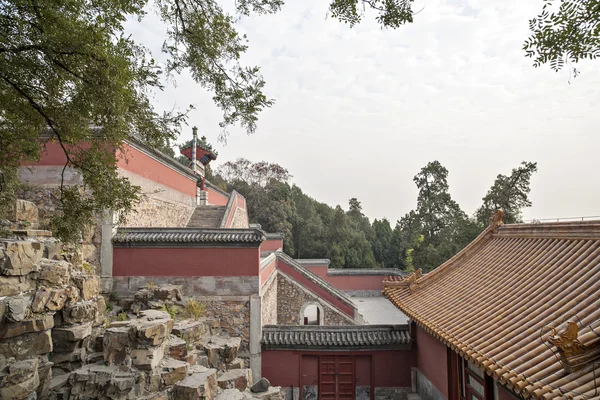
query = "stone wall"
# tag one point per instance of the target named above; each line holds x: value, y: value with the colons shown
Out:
x: 126, y: 286
x: 291, y: 296
x: 269, y: 301
x: 234, y: 316
x: 240, y: 219
x: 47, y: 200
x: 50, y: 313
x: 155, y: 212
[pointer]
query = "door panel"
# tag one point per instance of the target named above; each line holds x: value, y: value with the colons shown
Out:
x: 336, y: 378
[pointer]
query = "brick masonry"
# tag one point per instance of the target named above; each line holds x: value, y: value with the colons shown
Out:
x: 126, y: 286
x: 269, y: 302
x: 290, y: 299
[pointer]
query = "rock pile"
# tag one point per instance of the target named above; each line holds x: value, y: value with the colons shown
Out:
x: 50, y: 311
x: 56, y: 341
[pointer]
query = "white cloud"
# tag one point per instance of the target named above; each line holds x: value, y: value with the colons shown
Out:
x: 359, y: 111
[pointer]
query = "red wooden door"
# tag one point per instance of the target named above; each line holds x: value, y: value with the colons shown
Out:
x: 336, y: 380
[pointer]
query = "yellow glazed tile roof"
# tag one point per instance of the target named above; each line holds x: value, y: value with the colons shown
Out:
x: 496, y: 301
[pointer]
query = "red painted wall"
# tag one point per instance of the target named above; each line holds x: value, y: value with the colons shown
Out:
x: 432, y: 360
x: 139, y: 163
x: 267, y: 271
x: 356, y: 282
x: 319, y: 270
x: 318, y: 290
x: 52, y: 154
x: 185, y: 262
x: 505, y: 394
x: 348, y: 282
x: 281, y: 367
x: 215, y: 198
x: 271, y: 245
x: 388, y: 368
x: 392, y: 368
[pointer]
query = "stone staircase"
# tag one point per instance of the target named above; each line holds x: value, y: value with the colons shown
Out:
x: 206, y: 217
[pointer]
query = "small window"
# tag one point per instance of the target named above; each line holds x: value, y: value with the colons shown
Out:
x: 312, y: 315
x: 473, y: 382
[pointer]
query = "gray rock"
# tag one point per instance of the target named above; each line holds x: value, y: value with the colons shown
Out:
x: 172, y: 371
x: 54, y: 272
x: 72, y: 333
x: 78, y: 313
x: 24, y: 211
x: 148, y: 359
x: 238, y: 379
x: 88, y: 285
x: 20, y: 258
x: 40, y: 299
x: 12, y: 329
x: 13, y: 285
x: 200, y: 384
x: 21, y: 380
x: 262, y: 385
x: 191, y: 331
x: 18, y: 308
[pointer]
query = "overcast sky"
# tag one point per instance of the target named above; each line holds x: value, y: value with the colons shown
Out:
x: 359, y: 111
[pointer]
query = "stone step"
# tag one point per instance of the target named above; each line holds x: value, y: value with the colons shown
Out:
x: 413, y: 396
x: 200, y: 384
x: 207, y: 217
x: 239, y: 379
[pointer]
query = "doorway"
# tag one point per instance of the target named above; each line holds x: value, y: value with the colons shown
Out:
x: 336, y: 378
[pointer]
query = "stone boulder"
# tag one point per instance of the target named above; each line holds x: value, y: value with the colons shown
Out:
x: 172, y: 371
x: 168, y: 292
x: 12, y: 329
x: 89, y: 286
x: 153, y: 332
x: 177, y: 348
x: 80, y: 312
x: 20, y: 381
x: 191, y: 331
x: 238, y: 363
x: 41, y: 297
x: 72, y: 333
x: 17, y: 308
x: 56, y: 300
x: 13, y: 285
x: 200, y: 384
x: 262, y: 385
x: 273, y: 393
x: 20, y: 258
x: 222, y: 351
x: 24, y: 211
x: 27, y: 345
x: 239, y: 379
x: 54, y: 272
x: 117, y: 344
x: 148, y: 358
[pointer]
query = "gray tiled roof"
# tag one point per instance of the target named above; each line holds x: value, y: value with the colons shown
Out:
x: 187, y: 236
x: 336, y: 337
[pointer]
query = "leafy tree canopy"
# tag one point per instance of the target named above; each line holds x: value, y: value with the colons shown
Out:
x: 68, y: 68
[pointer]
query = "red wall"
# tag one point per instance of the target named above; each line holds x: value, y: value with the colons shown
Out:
x: 387, y: 368
x: 316, y: 289
x: 139, y: 163
x: 504, y: 394
x: 185, y: 262
x: 348, y: 282
x: 281, y: 367
x: 215, y: 198
x: 267, y: 271
x: 356, y: 282
x: 271, y: 245
x: 53, y: 154
x: 432, y: 360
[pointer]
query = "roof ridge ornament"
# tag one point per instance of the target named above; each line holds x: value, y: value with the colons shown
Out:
x: 496, y: 220
x: 409, y: 281
x: 572, y: 353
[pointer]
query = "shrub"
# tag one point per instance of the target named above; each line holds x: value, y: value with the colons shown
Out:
x: 193, y: 309
x: 113, y: 297
x: 151, y: 285
x: 122, y: 316
x: 109, y: 307
x: 169, y: 309
x: 89, y: 269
